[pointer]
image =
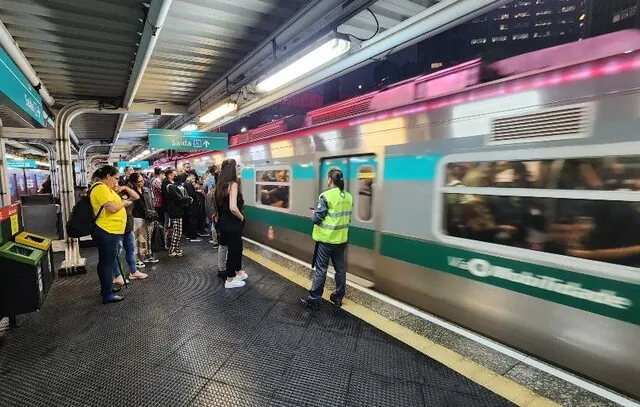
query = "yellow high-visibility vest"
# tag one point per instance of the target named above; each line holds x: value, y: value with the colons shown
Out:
x: 334, y: 229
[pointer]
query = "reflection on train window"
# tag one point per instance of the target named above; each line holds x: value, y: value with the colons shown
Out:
x: 599, y: 230
x: 273, y: 188
x: 366, y: 176
x: 602, y: 173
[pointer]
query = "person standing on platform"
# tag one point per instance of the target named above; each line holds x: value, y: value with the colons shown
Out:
x: 331, y: 219
x: 176, y: 199
x: 128, y: 240
x: 111, y: 220
x: 229, y: 205
x: 127, y: 173
x: 156, y: 189
x: 190, y: 219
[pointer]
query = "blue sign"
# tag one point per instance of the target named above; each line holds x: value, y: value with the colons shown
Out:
x: 187, y: 140
x: 133, y: 164
x: 15, y: 86
x: 11, y: 163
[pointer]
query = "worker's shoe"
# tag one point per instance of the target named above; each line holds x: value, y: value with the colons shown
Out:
x: 309, y: 303
x: 112, y: 298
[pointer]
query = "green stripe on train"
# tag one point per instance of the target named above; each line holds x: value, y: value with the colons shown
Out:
x: 611, y: 298
x: 302, y: 224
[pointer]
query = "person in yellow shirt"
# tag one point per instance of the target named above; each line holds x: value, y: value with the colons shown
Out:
x: 111, y: 220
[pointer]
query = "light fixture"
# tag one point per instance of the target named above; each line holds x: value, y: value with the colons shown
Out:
x: 190, y: 127
x: 42, y: 163
x: 219, y: 112
x: 10, y: 156
x: 326, y: 52
x: 242, y: 130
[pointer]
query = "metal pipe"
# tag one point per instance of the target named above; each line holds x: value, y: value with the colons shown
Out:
x: 427, y: 23
x: 10, y: 46
x: 5, y: 197
x: 53, y: 164
x: 158, y: 11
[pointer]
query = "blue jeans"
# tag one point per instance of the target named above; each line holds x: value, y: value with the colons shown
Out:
x: 128, y: 242
x: 337, y: 254
x: 107, y: 244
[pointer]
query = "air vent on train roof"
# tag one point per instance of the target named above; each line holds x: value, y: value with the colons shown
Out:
x: 550, y: 124
x: 347, y: 108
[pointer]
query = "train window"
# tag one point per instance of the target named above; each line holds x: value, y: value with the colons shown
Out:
x: 599, y: 230
x: 366, y: 177
x: 580, y: 207
x: 602, y: 173
x: 273, y: 188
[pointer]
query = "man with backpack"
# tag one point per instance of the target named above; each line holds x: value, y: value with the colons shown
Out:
x: 176, y: 199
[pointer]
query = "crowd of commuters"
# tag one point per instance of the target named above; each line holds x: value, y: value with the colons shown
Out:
x: 134, y: 211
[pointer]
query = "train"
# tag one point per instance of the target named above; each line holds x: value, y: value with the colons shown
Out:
x: 501, y: 196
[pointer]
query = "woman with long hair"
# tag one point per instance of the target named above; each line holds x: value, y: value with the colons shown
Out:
x: 144, y: 216
x: 229, y: 204
x: 111, y: 220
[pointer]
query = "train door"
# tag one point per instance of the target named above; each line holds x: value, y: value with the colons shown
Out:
x: 359, y: 174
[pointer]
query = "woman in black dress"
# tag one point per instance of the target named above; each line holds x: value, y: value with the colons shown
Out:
x: 229, y: 204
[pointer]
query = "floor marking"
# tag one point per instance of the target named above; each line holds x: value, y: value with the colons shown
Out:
x: 524, y: 358
x: 500, y: 385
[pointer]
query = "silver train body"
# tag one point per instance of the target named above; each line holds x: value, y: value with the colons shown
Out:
x: 412, y: 169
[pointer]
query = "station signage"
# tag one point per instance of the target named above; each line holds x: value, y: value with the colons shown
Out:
x: 187, y: 140
x: 133, y: 164
x: 11, y: 163
x: 15, y: 87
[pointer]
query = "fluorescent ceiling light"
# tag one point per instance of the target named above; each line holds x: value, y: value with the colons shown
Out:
x: 328, y: 51
x: 219, y: 112
x: 190, y: 127
x: 10, y: 156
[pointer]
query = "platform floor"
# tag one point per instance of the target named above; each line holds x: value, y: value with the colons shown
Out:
x: 180, y: 339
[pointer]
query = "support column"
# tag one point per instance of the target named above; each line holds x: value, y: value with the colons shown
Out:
x: 5, y: 194
x: 82, y: 159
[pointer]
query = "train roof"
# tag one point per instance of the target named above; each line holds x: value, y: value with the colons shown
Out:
x: 451, y: 81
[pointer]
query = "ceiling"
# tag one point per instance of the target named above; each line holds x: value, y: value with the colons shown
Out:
x: 86, y: 50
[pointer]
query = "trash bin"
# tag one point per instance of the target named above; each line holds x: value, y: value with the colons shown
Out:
x: 21, y: 285
x: 44, y: 244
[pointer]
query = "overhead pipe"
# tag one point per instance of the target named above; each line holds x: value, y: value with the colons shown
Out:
x: 11, y: 47
x: 310, y: 21
x: 428, y: 23
x: 156, y: 16
x: 53, y: 163
x: 82, y: 158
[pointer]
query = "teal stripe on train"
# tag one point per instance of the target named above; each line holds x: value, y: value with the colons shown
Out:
x: 411, y: 167
x: 599, y: 295
x: 357, y: 236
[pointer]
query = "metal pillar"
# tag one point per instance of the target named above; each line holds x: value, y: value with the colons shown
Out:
x: 73, y: 263
x: 5, y: 196
x: 82, y: 159
x: 53, y: 164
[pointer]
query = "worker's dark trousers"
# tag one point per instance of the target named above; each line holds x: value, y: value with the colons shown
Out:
x: 337, y: 254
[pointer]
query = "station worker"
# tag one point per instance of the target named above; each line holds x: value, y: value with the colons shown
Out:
x: 331, y: 219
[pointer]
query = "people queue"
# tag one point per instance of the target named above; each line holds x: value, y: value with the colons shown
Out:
x: 130, y: 210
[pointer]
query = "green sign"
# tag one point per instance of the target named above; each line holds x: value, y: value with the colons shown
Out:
x: 187, y: 140
x: 133, y: 164
x: 15, y: 86
x: 21, y: 163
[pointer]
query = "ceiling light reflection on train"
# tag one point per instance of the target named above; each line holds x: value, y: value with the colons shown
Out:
x: 384, y: 132
x: 326, y: 52
x: 331, y: 140
x: 189, y: 127
x: 282, y: 148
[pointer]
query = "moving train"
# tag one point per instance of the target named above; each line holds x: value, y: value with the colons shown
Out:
x: 501, y: 196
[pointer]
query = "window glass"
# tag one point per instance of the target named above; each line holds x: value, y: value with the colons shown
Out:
x: 602, y: 173
x: 366, y: 177
x: 273, y: 188
x: 605, y: 231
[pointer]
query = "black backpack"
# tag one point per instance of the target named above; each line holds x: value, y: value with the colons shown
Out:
x: 82, y: 222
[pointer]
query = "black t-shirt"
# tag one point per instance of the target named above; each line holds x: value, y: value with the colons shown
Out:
x: 129, y: 209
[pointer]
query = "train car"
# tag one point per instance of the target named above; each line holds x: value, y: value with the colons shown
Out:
x: 504, y: 198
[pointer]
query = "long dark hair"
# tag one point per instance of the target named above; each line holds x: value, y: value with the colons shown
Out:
x: 227, y: 176
x: 104, y: 171
x: 337, y: 178
x: 133, y: 181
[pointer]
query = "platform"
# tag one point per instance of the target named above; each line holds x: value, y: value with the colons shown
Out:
x: 181, y: 339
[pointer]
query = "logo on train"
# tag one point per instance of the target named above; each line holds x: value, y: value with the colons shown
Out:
x: 482, y: 268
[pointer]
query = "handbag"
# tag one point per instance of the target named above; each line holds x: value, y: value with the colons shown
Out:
x: 157, y: 239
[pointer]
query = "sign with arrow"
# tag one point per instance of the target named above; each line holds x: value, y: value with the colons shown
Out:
x: 187, y: 140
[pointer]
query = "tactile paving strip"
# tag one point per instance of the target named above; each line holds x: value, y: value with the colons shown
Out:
x: 180, y: 338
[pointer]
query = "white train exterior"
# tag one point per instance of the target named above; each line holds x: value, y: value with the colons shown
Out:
x: 510, y: 207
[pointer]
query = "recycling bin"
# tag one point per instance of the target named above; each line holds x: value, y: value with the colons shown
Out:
x: 44, y: 244
x: 21, y: 280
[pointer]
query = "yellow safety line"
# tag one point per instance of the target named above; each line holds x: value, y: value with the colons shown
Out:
x: 485, y: 377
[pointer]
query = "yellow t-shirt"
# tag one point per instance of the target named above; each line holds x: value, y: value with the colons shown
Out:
x: 114, y: 223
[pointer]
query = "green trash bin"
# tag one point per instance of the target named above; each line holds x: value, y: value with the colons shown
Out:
x: 44, y: 244
x: 21, y: 280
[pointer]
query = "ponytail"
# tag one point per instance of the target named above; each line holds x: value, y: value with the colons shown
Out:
x: 337, y: 178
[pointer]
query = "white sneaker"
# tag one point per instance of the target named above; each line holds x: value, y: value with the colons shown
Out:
x: 140, y: 264
x: 241, y: 276
x: 234, y: 284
